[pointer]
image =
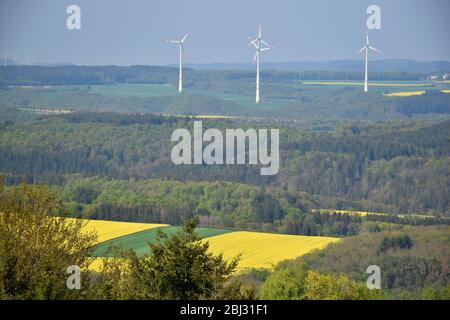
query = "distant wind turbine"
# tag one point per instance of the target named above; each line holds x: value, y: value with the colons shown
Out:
x: 181, y: 44
x: 367, y: 47
x: 260, y: 46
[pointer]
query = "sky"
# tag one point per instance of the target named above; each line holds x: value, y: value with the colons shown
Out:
x: 128, y: 32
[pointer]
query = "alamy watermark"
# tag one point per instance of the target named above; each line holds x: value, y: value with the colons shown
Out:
x: 374, y: 20
x: 189, y: 148
x: 73, y: 21
x: 374, y: 280
x: 74, y: 280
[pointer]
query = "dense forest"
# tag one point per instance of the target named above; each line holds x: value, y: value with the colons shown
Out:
x: 65, y: 75
x: 396, y: 168
x: 414, y: 263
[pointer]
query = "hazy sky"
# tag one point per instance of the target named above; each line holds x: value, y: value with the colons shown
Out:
x: 134, y: 31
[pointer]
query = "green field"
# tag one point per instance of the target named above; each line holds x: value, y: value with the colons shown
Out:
x: 157, y: 90
x: 307, y: 100
x: 139, y: 241
x: 135, y: 90
x: 160, y: 90
x: 377, y: 86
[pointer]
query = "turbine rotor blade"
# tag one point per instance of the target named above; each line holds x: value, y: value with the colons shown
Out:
x: 173, y: 41
x: 185, y: 36
x: 256, y: 56
x: 374, y: 49
x: 265, y: 43
x: 362, y: 49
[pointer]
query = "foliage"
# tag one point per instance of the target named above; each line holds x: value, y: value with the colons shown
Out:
x: 37, y: 247
x: 298, y: 282
x: 394, y: 168
x: 180, y: 267
x: 400, y: 242
x: 410, y: 259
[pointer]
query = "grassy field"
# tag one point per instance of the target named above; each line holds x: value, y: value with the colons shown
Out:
x: 157, y: 90
x: 135, y: 90
x: 107, y: 230
x: 399, y: 89
x: 139, y: 241
x: 371, y: 83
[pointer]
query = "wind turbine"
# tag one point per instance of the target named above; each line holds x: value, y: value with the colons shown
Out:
x: 367, y: 47
x: 260, y: 46
x: 181, y: 44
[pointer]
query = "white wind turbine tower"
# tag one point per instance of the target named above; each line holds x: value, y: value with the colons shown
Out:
x: 181, y: 44
x: 260, y: 46
x: 366, y: 48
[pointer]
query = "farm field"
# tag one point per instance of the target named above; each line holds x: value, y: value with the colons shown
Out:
x: 349, y: 212
x: 155, y: 90
x: 371, y: 83
x: 410, y: 93
x: 107, y: 230
x: 388, y: 88
x: 265, y: 250
x: 405, y: 94
x: 365, y: 213
x: 257, y: 250
x: 138, y: 241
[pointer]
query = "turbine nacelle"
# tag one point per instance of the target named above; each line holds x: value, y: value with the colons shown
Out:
x: 367, y: 46
x: 180, y: 42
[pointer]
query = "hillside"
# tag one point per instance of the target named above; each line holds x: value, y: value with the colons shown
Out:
x: 256, y: 250
x: 392, y: 65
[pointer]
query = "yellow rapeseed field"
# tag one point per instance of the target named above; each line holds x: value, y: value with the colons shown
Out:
x: 405, y: 94
x: 107, y: 230
x: 376, y: 84
x: 214, y: 117
x: 97, y: 263
x: 349, y: 212
x: 365, y: 213
x: 264, y: 250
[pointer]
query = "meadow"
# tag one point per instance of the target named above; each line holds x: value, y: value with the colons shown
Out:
x: 387, y: 88
x: 107, y: 230
x: 138, y: 242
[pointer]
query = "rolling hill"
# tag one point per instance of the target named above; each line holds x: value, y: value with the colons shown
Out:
x: 256, y: 249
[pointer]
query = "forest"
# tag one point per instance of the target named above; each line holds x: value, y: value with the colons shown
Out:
x: 399, y: 167
x: 341, y: 152
x: 73, y: 75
